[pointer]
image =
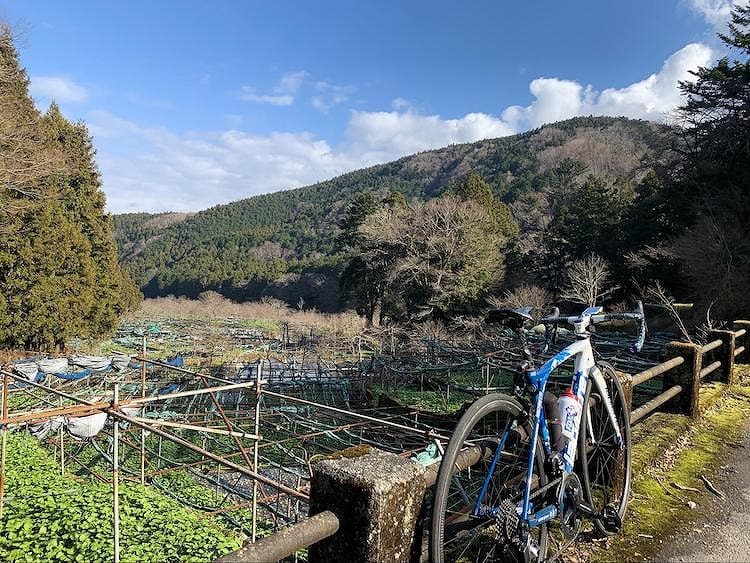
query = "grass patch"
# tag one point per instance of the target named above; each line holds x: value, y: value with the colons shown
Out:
x: 436, y: 402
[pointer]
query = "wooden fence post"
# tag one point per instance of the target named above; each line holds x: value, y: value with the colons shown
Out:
x: 626, y: 380
x: 687, y: 375
x: 724, y: 354
x: 745, y: 340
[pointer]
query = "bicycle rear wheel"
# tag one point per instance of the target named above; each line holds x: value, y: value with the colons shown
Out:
x: 456, y: 533
x: 605, y: 466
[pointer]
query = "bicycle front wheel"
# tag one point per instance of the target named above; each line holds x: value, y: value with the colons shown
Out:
x: 467, y: 525
x: 605, y: 464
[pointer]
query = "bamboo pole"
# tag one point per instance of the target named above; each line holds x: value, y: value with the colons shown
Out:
x: 143, y: 431
x: 71, y: 410
x: 4, y: 446
x: 228, y: 424
x: 185, y: 444
x: 3, y: 452
x: 202, y: 391
x: 429, y: 432
x: 208, y: 429
x: 90, y: 407
x: 61, y: 431
x: 258, y: 379
x: 115, y: 480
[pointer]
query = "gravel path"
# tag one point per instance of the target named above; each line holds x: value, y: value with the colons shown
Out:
x: 723, y: 534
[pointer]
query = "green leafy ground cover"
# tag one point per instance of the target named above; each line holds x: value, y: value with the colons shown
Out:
x: 49, y: 517
x: 191, y: 487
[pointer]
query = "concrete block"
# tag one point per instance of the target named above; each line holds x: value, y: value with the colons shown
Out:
x: 377, y: 497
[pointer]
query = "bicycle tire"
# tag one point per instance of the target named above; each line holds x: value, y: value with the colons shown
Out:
x: 605, y: 468
x: 452, y: 529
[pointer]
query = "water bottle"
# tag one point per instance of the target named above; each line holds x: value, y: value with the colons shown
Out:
x: 570, y: 412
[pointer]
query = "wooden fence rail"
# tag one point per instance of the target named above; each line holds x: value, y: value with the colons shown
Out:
x: 682, y: 371
x: 720, y: 353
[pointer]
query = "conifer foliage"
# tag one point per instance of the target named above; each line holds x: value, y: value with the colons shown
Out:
x: 715, y: 176
x: 59, y: 274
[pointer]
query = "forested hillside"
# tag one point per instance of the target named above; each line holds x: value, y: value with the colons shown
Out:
x: 59, y: 273
x: 287, y: 244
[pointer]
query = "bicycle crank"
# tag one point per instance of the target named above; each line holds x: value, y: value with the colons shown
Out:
x: 570, y: 501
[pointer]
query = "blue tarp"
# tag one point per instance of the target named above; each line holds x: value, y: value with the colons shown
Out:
x: 20, y: 385
x: 171, y: 388
x: 76, y: 374
x: 178, y: 361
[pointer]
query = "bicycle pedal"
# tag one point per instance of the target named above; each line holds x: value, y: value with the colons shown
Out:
x: 610, y: 519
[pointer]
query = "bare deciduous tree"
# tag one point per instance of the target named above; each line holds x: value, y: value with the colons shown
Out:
x: 662, y: 297
x: 587, y: 280
x: 715, y: 258
x: 442, y: 254
x: 525, y: 295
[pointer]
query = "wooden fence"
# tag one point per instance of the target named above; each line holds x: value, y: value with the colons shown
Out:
x: 686, y: 366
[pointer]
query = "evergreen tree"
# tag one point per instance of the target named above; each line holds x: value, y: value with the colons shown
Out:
x: 59, y: 275
x: 363, y: 280
x: 590, y: 220
x: 715, y: 176
x: 364, y: 204
x: 395, y: 200
x: 83, y: 203
x: 475, y: 188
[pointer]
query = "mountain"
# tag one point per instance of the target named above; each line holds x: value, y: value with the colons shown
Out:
x: 284, y: 244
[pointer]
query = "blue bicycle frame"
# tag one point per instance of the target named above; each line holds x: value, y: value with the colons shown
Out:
x: 584, y: 368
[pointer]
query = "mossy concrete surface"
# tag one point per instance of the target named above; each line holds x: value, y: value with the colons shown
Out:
x: 670, y: 453
x: 377, y: 497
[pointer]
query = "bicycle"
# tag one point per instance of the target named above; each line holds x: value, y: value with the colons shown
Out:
x: 510, y: 486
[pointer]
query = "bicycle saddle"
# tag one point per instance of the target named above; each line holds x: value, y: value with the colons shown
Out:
x: 513, y: 318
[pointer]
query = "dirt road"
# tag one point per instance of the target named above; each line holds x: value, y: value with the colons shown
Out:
x: 723, y: 534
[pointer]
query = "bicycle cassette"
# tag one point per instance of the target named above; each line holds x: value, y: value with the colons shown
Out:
x: 506, y: 523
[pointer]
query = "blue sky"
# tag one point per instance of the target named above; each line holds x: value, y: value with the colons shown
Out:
x: 197, y: 103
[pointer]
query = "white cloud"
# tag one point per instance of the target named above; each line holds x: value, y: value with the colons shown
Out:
x: 656, y: 96
x: 651, y: 98
x: 60, y: 88
x: 249, y: 94
x: 381, y: 136
x: 715, y: 12
x: 192, y: 171
x: 281, y: 95
x: 330, y: 95
x: 292, y: 81
x: 401, y: 104
x: 555, y: 99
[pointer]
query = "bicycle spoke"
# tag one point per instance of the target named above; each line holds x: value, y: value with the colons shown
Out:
x: 605, y: 463
x: 456, y: 534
